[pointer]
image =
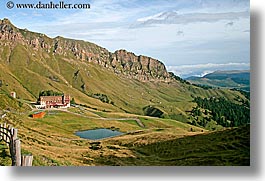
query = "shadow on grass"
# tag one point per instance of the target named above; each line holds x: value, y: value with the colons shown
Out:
x: 5, y: 158
x: 225, y: 148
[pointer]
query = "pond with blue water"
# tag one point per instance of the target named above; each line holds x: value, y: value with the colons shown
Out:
x: 98, y: 134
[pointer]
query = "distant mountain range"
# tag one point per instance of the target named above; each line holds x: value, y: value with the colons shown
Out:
x: 239, y: 79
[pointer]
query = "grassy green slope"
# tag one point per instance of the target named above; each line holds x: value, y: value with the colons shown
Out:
x: 51, y: 140
x: 7, y: 103
x: 225, y: 148
x: 161, y: 142
x: 29, y: 72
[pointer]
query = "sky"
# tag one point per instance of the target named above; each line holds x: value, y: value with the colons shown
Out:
x: 191, y: 37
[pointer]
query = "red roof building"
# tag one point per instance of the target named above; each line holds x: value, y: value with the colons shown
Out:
x: 38, y: 115
x: 54, y: 101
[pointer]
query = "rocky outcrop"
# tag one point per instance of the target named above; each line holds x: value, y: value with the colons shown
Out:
x: 121, y: 62
x: 139, y: 67
x: 8, y: 32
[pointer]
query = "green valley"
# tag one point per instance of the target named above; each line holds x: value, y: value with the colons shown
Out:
x: 122, y: 91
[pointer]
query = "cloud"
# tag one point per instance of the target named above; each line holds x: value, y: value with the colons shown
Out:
x: 173, y: 17
x: 180, y: 33
x: 230, y: 24
x: 203, y: 69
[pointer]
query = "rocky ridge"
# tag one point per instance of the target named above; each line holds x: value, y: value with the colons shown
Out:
x: 121, y: 62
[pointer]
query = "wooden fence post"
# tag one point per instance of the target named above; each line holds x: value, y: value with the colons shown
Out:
x: 14, y: 132
x: 4, y: 130
x: 10, y: 135
x: 27, y: 160
x: 13, y: 147
x: 17, y: 153
x: 12, y: 151
x: 1, y: 132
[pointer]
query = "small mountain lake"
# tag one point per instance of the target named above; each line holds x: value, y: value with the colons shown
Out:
x: 98, y: 134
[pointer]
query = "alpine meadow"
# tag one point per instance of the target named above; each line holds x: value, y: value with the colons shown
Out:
x: 74, y: 103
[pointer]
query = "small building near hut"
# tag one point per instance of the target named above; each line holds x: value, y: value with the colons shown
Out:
x: 38, y: 115
x: 46, y: 102
x: 13, y: 94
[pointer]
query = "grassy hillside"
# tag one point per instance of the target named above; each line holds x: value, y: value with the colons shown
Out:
x: 29, y: 71
x: 52, y: 140
x: 33, y: 72
x: 7, y: 103
x: 224, y: 148
x: 160, y: 142
x: 153, y: 115
x: 5, y: 158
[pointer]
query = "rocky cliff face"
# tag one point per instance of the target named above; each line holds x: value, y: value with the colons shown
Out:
x: 121, y: 62
x: 8, y: 32
x: 139, y: 67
